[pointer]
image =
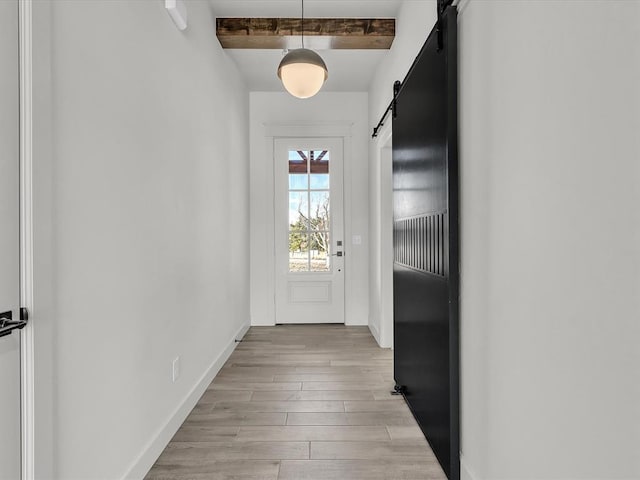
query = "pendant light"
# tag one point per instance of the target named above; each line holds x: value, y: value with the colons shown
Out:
x: 302, y: 71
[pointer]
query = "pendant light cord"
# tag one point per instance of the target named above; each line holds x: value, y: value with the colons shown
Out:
x: 302, y: 21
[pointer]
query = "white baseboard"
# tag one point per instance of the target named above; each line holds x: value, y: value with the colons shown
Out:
x: 242, y: 332
x: 376, y: 333
x: 362, y: 322
x: 154, y: 448
x: 262, y: 323
x: 466, y: 472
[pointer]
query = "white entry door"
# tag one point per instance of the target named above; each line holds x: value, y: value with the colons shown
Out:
x: 9, y: 243
x: 309, y: 242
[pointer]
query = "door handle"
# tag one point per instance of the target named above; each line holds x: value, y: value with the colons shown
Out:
x: 8, y: 324
x: 337, y: 254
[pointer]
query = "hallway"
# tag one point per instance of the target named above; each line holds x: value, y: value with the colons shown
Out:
x: 301, y: 402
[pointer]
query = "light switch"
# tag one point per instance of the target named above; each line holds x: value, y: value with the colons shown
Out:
x: 356, y: 240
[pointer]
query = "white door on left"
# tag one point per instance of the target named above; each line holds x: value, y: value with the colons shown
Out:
x: 9, y: 241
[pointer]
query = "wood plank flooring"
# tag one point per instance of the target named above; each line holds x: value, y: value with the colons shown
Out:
x: 301, y: 402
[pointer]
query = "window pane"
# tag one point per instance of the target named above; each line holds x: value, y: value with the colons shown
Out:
x: 298, y: 181
x: 309, y: 213
x: 319, y: 161
x: 319, y: 181
x: 298, y: 161
x: 298, y: 252
x: 298, y: 211
x: 319, y: 211
x: 320, y: 251
x: 299, y: 155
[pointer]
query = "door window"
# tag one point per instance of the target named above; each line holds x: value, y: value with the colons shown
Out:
x: 309, y: 211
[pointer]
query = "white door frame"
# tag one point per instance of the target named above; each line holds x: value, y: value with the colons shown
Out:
x: 271, y: 132
x: 26, y: 239
x: 381, y: 296
x: 386, y: 240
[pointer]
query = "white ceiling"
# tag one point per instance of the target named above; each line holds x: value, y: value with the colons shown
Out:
x: 349, y: 70
x: 312, y: 8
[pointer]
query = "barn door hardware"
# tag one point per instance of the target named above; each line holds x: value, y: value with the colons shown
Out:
x: 392, y: 107
x: 441, y: 7
x: 8, y: 324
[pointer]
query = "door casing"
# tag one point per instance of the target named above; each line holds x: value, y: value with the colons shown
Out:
x: 263, y: 289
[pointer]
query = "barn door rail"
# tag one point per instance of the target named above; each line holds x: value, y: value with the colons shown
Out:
x: 442, y: 5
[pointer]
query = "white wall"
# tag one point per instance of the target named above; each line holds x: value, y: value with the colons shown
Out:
x: 43, y: 315
x: 146, y: 257
x: 550, y: 115
x: 413, y: 24
x: 325, y: 110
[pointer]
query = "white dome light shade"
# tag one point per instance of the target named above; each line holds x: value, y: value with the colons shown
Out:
x: 303, y: 72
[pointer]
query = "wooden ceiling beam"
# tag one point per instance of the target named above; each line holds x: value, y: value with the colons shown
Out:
x: 319, y: 33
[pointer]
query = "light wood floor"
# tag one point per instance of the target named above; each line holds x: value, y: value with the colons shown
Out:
x: 301, y: 402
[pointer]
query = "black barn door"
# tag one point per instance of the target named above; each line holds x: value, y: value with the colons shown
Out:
x: 425, y: 274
